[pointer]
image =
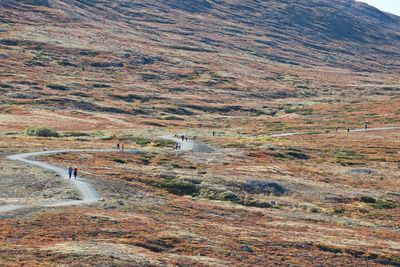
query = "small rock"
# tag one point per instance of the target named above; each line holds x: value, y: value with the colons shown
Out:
x: 109, y: 207
x: 246, y: 249
x: 362, y: 171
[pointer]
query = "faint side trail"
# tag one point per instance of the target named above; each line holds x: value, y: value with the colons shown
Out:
x: 342, y: 131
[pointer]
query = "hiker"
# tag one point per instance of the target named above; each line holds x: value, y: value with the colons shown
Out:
x: 366, y: 126
x: 122, y: 147
x: 70, y: 170
x: 337, y: 128
x: 213, y: 133
x: 186, y: 139
x: 194, y: 138
x: 75, y: 173
x: 183, y: 138
x: 118, y: 146
x: 176, y: 146
x: 348, y: 130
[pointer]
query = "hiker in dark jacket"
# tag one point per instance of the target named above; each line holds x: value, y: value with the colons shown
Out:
x: 75, y: 173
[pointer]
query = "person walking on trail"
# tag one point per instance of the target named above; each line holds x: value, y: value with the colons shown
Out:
x: 348, y: 130
x: 186, y: 139
x: 366, y: 126
x: 75, y: 173
x: 118, y: 146
x: 183, y: 138
x: 337, y: 128
x: 70, y: 170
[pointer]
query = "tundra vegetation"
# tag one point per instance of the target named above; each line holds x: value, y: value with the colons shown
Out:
x: 235, y: 74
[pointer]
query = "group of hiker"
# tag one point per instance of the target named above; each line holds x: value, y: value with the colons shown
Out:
x: 72, y: 172
x: 366, y: 126
x: 120, y: 146
x: 184, y: 138
x: 178, y: 146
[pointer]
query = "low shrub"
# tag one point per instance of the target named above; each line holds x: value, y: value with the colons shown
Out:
x: 75, y: 134
x: 256, y: 203
x: 368, y: 199
x: 222, y: 194
x: 378, y: 203
x: 141, y: 141
x: 164, y: 143
x: 58, y: 87
x: 297, y: 155
x: 41, y: 132
x: 121, y: 161
x: 383, y: 204
x: 264, y: 187
x: 176, y: 187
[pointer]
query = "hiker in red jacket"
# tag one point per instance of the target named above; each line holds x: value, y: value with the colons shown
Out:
x: 75, y: 173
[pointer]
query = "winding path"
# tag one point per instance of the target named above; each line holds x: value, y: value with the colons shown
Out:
x: 86, y: 191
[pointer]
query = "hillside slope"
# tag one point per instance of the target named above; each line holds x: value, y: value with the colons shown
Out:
x: 76, y: 53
